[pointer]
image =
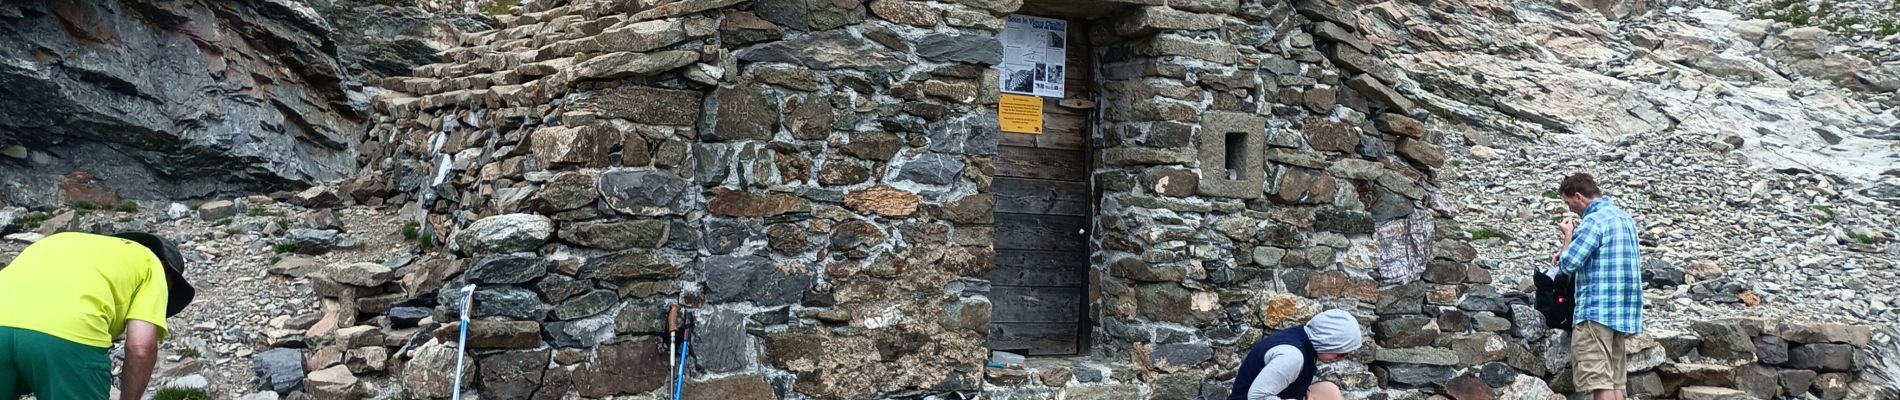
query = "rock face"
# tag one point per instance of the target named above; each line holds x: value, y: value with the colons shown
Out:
x: 248, y: 91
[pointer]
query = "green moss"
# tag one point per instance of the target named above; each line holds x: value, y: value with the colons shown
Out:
x: 173, y: 393
x: 1826, y: 210
x: 128, y: 207
x: 1551, y: 194
x: 33, y: 221
x: 501, y: 7
x: 1864, y: 239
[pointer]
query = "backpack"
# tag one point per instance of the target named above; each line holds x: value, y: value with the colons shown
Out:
x: 1556, y: 299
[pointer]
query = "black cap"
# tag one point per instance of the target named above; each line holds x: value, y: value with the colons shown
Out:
x: 178, y: 291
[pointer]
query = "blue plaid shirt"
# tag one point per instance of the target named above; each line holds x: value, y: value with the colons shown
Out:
x: 1603, y: 258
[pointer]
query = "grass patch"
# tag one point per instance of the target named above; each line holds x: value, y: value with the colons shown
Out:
x: 411, y: 230
x: 286, y: 248
x: 1551, y: 194
x: 222, y: 221
x: 173, y: 393
x: 262, y: 212
x: 33, y: 221
x: 128, y: 207
x: 85, y: 206
x: 1863, y: 239
x: 428, y: 241
x: 283, y: 222
x: 501, y: 7
x: 275, y: 259
x: 1483, y: 234
x: 189, y: 353
x: 1457, y: 163
x: 1826, y: 210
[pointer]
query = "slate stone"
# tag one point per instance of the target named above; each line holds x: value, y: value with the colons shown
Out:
x: 712, y: 163
x: 279, y: 370
x: 875, y: 146
x: 737, y: 387
x: 407, y: 317
x: 512, y: 375
x: 506, y: 269
x: 585, y: 332
x: 932, y: 169
x: 972, y: 134
x: 1822, y: 357
x: 1402, y: 299
x: 642, y: 192
x: 720, y: 341
x: 1348, y: 222
x: 624, y: 368
x: 1498, y: 375
x: 1771, y: 350
x: 1445, y: 272
x: 1759, y: 381
x: 1796, y: 380
x: 648, y: 105
x: 629, y: 265
x: 616, y: 235
x: 1415, y: 376
x: 511, y: 302
x: 1724, y: 340
x: 961, y: 48
x: 1405, y: 331
x: 1660, y: 274
x: 754, y: 279
x: 825, y: 51
x: 585, y: 305
x: 724, y: 235
x: 1417, y: 355
x: 1181, y: 354
x: 743, y: 112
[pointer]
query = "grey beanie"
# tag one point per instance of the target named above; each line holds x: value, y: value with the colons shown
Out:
x: 1334, y: 331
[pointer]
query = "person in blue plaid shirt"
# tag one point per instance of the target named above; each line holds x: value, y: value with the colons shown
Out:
x: 1602, y: 254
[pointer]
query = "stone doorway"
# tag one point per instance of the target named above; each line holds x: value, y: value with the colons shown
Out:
x: 1043, y: 214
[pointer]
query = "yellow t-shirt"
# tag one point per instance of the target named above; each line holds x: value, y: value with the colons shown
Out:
x: 83, y: 288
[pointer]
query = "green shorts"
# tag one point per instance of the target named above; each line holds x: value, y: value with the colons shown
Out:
x: 51, y: 368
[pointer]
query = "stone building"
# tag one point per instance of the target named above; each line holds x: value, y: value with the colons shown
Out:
x: 825, y: 185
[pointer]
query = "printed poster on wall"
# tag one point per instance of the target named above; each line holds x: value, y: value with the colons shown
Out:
x: 1034, y: 55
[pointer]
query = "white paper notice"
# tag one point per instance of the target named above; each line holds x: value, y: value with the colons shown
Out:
x: 1034, y: 55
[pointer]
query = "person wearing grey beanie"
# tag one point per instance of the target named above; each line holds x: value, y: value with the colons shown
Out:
x: 1282, y: 365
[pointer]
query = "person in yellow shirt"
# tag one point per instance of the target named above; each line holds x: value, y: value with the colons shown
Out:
x: 67, y: 297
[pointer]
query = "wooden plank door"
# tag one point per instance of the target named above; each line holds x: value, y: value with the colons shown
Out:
x: 1039, y: 298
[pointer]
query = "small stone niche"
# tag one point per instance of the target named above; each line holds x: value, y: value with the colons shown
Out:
x: 1232, y: 152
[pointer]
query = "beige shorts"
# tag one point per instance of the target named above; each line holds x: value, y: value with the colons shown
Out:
x: 1600, y: 358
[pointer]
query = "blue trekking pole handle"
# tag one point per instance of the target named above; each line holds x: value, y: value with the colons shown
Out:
x: 461, y: 344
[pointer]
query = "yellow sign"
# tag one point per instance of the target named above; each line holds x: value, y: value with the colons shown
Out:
x: 1020, y: 114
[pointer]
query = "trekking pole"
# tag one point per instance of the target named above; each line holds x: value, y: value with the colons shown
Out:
x: 461, y: 344
x: 686, y: 345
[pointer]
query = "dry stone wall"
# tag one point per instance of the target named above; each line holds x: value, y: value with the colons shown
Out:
x: 812, y: 179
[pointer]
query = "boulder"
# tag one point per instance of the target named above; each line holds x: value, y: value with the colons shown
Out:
x: 1724, y: 340
x: 362, y: 274
x: 279, y: 370
x: 504, y: 234
x: 317, y: 197
x: 334, y: 383
x: 430, y: 372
